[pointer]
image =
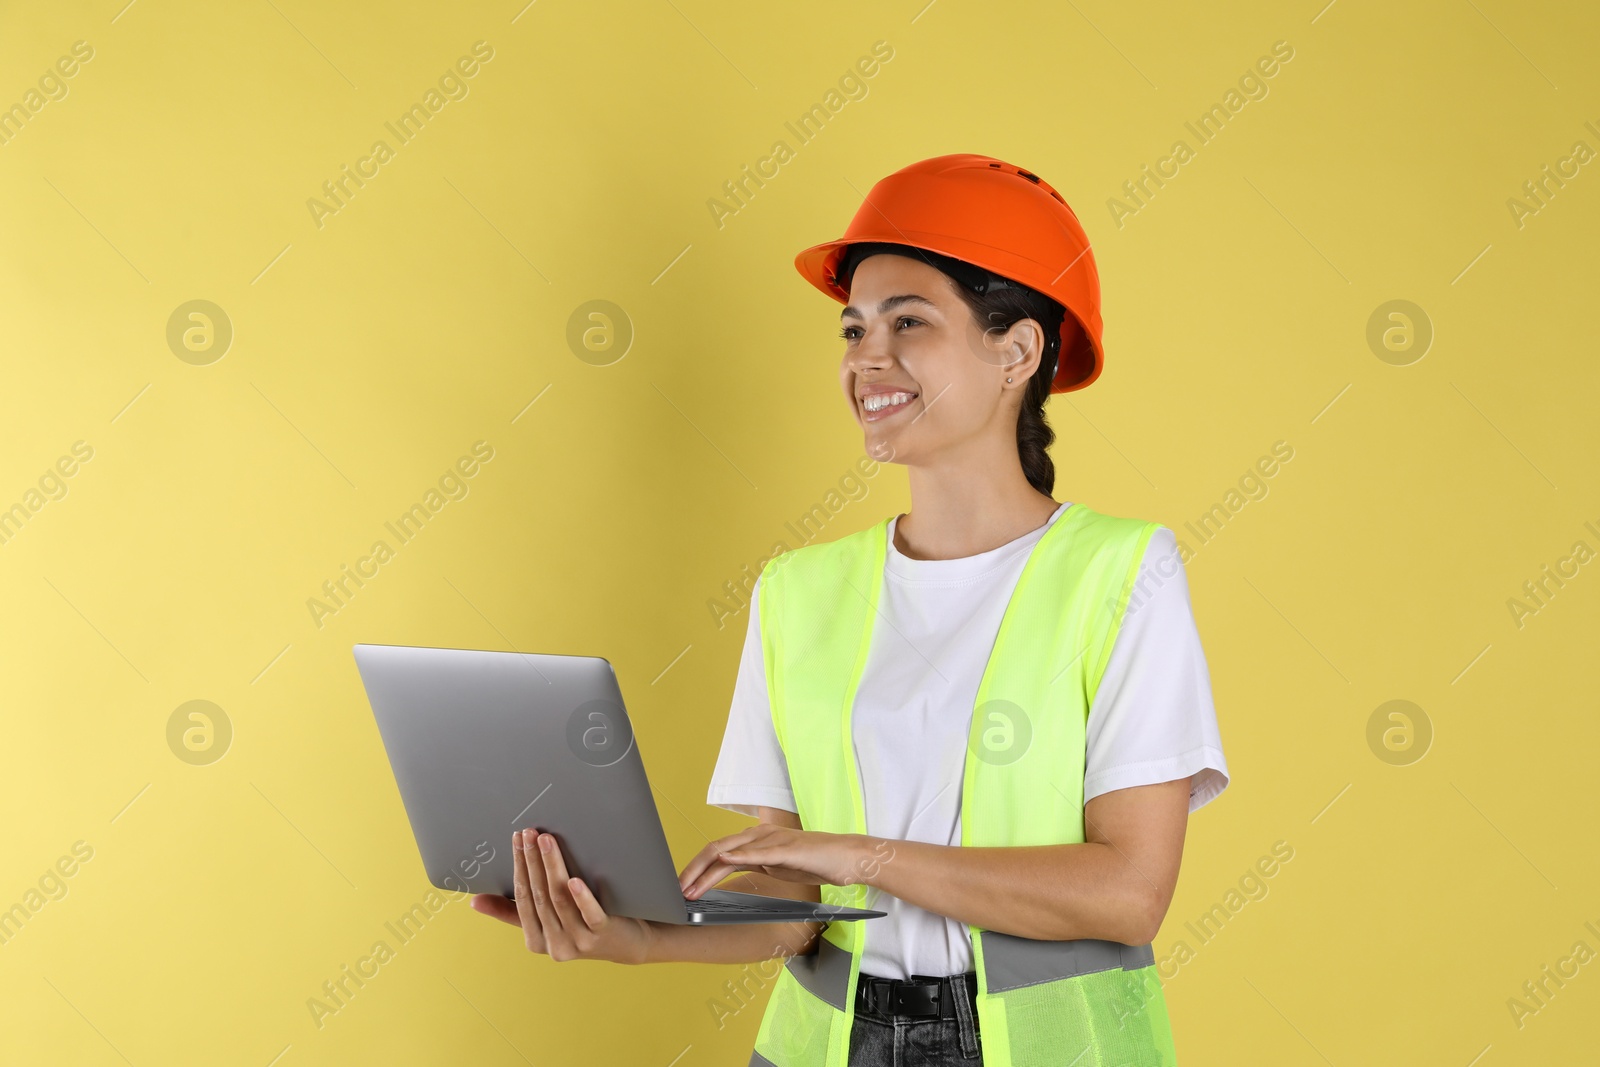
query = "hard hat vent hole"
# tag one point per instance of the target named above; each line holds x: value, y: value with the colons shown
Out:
x: 1034, y: 178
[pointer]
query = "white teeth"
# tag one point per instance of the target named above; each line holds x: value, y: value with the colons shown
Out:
x: 879, y: 401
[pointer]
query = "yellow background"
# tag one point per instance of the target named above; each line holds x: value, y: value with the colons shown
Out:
x: 370, y: 353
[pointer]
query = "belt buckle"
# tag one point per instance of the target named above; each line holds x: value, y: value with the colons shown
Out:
x: 914, y: 999
x: 890, y: 996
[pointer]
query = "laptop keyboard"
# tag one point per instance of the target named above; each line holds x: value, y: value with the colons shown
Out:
x: 737, y: 905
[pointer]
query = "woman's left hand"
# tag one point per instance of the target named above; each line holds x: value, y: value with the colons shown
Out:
x: 809, y: 857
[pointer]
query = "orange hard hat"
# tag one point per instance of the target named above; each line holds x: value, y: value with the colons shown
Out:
x: 991, y: 214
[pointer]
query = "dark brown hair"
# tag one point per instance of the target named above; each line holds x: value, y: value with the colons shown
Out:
x: 998, y: 309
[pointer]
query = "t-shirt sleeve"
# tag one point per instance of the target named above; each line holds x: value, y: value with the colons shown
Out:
x: 751, y: 770
x: 1152, y: 719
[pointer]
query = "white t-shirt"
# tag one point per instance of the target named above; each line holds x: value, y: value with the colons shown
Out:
x: 1152, y: 718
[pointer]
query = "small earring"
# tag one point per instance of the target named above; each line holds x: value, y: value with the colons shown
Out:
x: 1008, y: 379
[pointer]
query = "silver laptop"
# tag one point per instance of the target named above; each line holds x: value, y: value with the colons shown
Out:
x: 486, y: 743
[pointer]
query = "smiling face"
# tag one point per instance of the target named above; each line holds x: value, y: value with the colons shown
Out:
x: 919, y: 372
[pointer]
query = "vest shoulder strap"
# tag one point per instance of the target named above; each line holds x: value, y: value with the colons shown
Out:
x: 824, y: 559
x: 815, y: 602
x: 1116, y: 545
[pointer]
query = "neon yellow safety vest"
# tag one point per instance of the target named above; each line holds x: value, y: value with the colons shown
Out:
x: 1040, y: 1003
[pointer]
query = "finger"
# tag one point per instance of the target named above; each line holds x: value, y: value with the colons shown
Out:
x: 557, y: 941
x: 697, y: 869
x: 555, y: 865
x: 749, y: 854
x: 527, y: 913
x: 750, y: 857
x: 709, y: 878
x: 496, y: 907
x: 592, y: 912
x: 756, y: 858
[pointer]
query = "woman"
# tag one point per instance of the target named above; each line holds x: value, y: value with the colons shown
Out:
x: 988, y: 717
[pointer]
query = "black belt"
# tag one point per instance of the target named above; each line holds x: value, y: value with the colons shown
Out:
x: 921, y: 995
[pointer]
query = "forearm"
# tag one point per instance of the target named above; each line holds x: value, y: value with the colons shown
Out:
x: 737, y: 942
x: 1046, y: 892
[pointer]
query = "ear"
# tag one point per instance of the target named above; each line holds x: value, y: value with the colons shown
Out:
x: 1023, y: 349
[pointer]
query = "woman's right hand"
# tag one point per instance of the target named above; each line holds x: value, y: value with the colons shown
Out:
x: 559, y: 915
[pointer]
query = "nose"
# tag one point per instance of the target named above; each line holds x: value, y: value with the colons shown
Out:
x: 871, y: 351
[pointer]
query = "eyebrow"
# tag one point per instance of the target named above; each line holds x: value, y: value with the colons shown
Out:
x: 890, y: 303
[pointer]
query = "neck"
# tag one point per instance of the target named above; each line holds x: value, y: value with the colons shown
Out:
x: 964, y: 510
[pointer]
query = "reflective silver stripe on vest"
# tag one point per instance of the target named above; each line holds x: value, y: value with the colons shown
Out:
x: 758, y: 1060
x: 1012, y: 962
x: 825, y: 972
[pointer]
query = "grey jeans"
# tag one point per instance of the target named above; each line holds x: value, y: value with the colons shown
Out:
x: 878, y: 1039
